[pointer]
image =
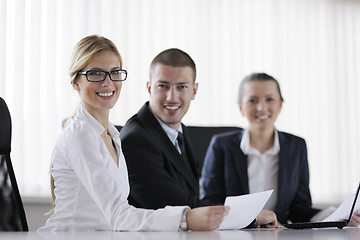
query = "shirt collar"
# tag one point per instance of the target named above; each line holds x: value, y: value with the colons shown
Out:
x: 247, y: 149
x: 170, y: 132
x: 82, y: 113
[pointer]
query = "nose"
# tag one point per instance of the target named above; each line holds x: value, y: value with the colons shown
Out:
x: 171, y: 94
x: 107, y: 80
x: 260, y: 106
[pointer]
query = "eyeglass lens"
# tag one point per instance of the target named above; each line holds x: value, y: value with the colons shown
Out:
x: 116, y: 75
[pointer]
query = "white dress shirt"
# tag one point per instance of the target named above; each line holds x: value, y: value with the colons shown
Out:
x: 91, y: 191
x: 171, y: 133
x: 262, y: 168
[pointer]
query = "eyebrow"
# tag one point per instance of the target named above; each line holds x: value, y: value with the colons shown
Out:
x: 100, y: 69
x: 166, y: 82
x: 267, y: 95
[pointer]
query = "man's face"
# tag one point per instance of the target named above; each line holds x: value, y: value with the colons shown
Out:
x: 171, y: 90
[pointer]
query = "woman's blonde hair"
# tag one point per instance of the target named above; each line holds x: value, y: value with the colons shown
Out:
x: 84, y: 52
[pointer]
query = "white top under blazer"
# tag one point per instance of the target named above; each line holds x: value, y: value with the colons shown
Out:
x: 91, y: 191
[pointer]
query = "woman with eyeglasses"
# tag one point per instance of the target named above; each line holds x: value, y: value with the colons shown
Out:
x: 90, y: 181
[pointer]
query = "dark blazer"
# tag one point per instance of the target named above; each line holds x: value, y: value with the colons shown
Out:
x: 157, y: 174
x: 225, y: 173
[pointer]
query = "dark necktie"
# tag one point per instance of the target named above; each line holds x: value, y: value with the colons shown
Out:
x: 181, y: 143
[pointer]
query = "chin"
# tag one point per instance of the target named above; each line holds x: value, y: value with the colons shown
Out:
x: 171, y: 122
x: 108, y: 107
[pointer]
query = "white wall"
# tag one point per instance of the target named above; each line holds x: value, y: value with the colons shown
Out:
x: 310, y: 46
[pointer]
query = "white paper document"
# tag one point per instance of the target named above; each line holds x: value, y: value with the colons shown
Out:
x: 244, y: 209
x: 343, y: 211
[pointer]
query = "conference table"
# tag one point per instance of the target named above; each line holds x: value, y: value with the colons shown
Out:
x: 248, y: 234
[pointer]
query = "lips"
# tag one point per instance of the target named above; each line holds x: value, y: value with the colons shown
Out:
x: 105, y: 94
x: 263, y: 117
x: 171, y: 107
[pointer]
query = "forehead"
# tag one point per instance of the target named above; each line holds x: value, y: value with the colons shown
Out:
x: 104, y: 60
x: 260, y: 88
x: 170, y: 74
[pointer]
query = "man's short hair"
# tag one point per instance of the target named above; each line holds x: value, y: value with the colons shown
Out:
x: 174, y: 57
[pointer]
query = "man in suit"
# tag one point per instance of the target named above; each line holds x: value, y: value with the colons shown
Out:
x: 161, y: 166
x: 161, y: 170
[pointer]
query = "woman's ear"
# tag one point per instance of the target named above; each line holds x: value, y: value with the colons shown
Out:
x: 241, y: 110
x: 76, y: 86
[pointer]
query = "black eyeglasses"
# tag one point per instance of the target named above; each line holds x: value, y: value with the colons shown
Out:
x: 99, y: 76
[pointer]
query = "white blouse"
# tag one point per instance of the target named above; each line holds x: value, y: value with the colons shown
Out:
x: 263, y: 168
x: 91, y: 191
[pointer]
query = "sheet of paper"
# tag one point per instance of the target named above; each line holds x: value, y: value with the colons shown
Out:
x: 244, y: 209
x: 343, y: 211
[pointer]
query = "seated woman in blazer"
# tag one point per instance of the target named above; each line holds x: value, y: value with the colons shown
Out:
x: 260, y: 157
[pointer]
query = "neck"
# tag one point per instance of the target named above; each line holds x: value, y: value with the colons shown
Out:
x: 102, y: 116
x: 262, y: 140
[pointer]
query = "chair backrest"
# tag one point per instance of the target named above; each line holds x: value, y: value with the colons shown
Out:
x: 201, y: 137
x: 12, y: 214
x: 5, y: 128
x: 118, y: 127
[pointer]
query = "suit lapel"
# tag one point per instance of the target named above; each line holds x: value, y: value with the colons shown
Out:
x: 283, y: 167
x: 158, y: 134
x: 240, y: 161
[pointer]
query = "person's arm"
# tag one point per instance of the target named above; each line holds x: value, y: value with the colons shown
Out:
x: 108, y: 188
x: 154, y: 183
x: 301, y: 207
x: 212, y: 176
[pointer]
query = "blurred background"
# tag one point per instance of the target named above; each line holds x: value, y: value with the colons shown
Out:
x: 311, y: 47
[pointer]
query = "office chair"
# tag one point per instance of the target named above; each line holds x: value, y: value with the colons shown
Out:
x: 200, y: 137
x: 12, y: 214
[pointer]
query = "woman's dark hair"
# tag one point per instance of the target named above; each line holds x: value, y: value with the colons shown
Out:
x: 260, y: 77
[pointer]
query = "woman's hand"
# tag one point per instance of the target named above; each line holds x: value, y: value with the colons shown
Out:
x: 355, y: 219
x: 267, y: 219
x: 206, y: 218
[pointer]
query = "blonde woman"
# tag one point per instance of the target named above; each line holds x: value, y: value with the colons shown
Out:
x: 89, y: 171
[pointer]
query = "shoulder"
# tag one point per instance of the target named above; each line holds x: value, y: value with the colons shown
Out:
x: 227, y: 137
x: 284, y: 136
x: 137, y: 134
x: 136, y: 124
x: 77, y: 132
x: 75, y: 137
x: 133, y: 127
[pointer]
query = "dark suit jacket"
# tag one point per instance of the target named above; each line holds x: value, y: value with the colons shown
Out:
x: 157, y: 174
x: 225, y: 173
